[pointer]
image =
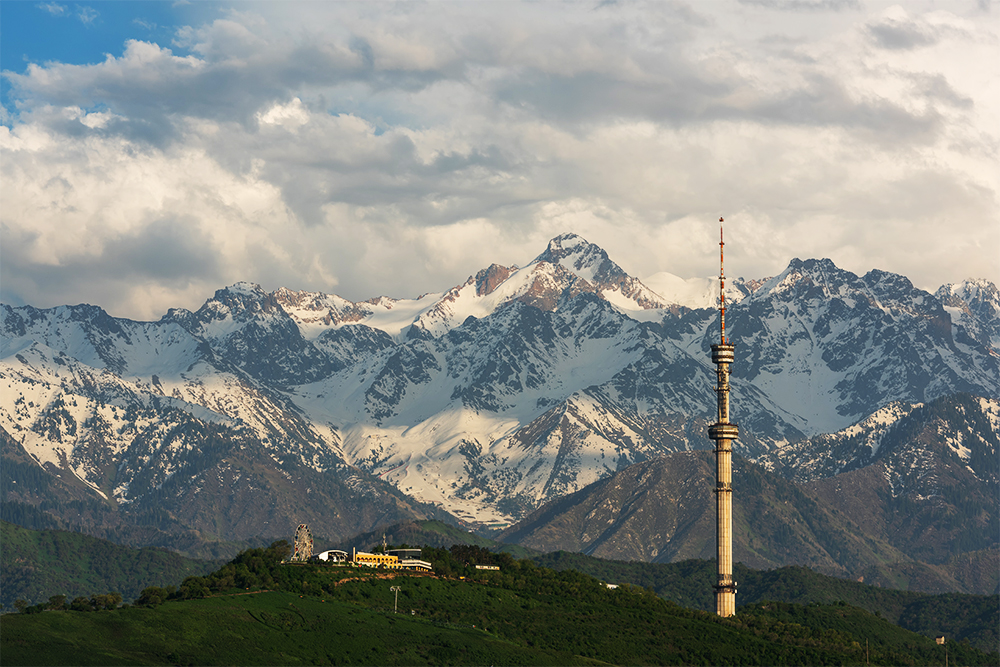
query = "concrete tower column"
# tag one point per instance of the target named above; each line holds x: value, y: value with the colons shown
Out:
x: 723, y: 432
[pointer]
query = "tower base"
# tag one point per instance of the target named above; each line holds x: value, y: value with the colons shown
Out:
x: 725, y: 600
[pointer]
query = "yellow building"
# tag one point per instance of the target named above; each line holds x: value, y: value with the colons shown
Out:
x: 376, y: 560
x: 390, y: 561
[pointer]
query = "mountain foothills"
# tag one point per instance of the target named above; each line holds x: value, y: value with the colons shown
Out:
x: 257, y: 609
x: 214, y: 430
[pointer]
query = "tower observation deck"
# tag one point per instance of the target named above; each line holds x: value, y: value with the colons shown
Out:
x: 723, y: 432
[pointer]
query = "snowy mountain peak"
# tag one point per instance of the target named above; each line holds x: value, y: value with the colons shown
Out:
x: 569, y: 266
x: 811, y: 278
x: 974, y: 306
x: 883, y: 283
x: 238, y: 299
x: 244, y: 287
x: 820, y: 280
x: 592, y: 264
x: 583, y: 258
x: 316, y: 309
x: 971, y: 293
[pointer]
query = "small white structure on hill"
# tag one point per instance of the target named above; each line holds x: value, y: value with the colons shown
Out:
x: 332, y: 556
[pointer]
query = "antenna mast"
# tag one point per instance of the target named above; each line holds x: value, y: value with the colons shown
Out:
x: 722, y: 285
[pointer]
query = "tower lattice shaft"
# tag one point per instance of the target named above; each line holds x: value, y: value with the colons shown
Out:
x: 723, y: 432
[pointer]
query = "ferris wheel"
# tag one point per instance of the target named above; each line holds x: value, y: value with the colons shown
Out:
x: 303, y: 543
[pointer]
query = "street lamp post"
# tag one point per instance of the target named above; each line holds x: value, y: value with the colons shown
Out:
x: 396, y: 603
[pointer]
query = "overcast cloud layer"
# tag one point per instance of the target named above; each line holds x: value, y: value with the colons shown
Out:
x: 368, y: 149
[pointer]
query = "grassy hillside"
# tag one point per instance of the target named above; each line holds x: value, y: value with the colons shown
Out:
x: 36, y: 564
x: 521, y: 614
x: 275, y: 628
x: 975, y: 618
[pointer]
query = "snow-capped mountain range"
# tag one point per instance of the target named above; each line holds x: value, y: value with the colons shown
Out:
x: 518, y: 386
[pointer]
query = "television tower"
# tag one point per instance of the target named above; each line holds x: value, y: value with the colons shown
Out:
x: 723, y: 433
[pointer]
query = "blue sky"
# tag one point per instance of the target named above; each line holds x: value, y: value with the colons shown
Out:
x: 81, y: 33
x: 152, y: 152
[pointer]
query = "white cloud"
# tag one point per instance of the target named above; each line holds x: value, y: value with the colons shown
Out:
x: 87, y: 15
x: 397, y: 149
x: 291, y: 115
x: 53, y: 8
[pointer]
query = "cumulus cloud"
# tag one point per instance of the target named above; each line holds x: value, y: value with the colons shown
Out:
x: 396, y: 149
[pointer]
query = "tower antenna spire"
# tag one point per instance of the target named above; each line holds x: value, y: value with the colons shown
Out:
x: 723, y: 432
x: 722, y: 286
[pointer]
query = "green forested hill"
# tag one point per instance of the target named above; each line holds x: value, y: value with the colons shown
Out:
x: 36, y: 564
x: 256, y: 610
x: 975, y: 618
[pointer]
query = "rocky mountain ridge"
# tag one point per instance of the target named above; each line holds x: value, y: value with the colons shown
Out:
x: 516, y: 387
x: 910, y: 502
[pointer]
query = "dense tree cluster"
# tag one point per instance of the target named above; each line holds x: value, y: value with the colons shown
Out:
x: 95, y: 602
x: 253, y: 569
